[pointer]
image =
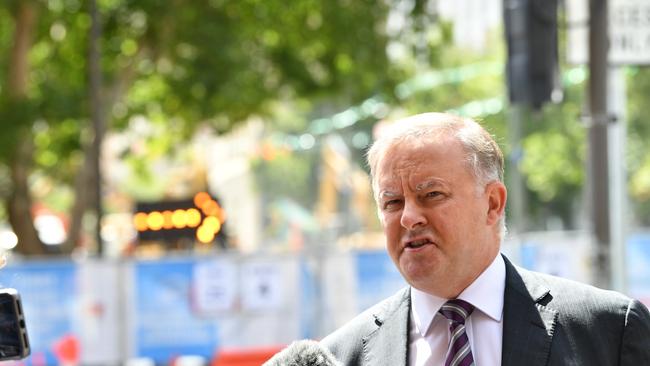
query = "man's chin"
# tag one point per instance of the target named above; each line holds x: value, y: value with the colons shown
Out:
x: 421, y: 274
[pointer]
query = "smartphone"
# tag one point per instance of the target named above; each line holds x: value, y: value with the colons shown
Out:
x: 14, y: 344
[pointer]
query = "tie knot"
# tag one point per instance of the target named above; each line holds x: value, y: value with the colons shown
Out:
x: 456, y: 310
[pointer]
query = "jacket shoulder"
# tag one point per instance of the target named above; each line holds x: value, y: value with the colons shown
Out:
x: 568, y: 293
x: 581, y: 306
x: 346, y: 342
x: 593, y: 323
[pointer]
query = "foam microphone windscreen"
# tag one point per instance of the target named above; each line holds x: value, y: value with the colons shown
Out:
x: 303, y: 353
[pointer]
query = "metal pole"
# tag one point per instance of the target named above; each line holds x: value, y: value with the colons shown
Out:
x: 598, y: 139
x: 618, y: 198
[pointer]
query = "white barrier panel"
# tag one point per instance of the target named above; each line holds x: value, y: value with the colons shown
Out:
x: 339, y: 283
x: 99, y: 312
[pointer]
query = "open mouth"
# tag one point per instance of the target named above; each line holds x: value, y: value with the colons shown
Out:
x: 415, y: 244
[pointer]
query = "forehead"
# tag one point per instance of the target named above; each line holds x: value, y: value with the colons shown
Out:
x: 423, y: 163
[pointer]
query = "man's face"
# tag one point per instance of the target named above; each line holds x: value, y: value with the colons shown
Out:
x: 440, y: 225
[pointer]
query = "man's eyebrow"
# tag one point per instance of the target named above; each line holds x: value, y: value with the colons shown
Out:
x: 388, y: 194
x: 428, y: 184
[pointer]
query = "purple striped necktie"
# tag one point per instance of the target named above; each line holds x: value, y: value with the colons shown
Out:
x: 459, y: 353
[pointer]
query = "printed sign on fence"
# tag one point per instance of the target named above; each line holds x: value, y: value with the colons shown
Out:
x: 262, y: 286
x: 215, y: 286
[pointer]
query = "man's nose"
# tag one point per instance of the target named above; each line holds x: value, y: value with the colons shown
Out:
x: 412, y: 215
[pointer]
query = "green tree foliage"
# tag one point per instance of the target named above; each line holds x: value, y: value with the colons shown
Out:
x: 553, y: 161
x: 181, y: 63
x: 225, y: 60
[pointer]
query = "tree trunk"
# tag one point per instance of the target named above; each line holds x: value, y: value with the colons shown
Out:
x: 81, y: 190
x: 88, y: 183
x: 88, y: 180
x: 24, y: 20
x: 20, y: 204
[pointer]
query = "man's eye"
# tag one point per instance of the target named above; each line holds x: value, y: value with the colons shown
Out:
x: 391, y: 204
x: 433, y: 194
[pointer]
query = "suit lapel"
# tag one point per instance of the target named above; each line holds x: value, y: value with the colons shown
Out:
x: 387, y: 345
x: 528, y: 324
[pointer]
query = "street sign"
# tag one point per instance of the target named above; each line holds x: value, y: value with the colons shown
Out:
x: 629, y: 32
x: 629, y: 35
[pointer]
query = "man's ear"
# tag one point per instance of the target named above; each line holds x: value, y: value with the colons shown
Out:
x: 497, y: 195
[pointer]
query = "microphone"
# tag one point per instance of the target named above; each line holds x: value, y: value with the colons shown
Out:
x: 303, y: 353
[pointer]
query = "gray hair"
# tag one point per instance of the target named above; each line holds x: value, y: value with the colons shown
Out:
x: 482, y: 154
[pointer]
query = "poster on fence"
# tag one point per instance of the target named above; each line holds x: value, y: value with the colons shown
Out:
x: 262, y: 287
x: 215, y: 286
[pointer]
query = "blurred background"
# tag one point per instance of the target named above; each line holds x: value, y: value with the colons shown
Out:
x: 183, y: 182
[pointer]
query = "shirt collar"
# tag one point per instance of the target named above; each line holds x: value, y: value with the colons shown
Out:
x: 485, y: 293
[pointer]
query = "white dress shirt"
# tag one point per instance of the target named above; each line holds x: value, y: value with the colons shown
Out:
x: 429, y: 330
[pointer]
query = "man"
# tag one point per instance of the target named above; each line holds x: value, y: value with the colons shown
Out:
x: 438, y: 184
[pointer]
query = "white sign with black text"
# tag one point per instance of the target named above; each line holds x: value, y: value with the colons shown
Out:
x: 629, y: 32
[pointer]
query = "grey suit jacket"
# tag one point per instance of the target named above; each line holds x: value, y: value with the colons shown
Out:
x: 547, y: 321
